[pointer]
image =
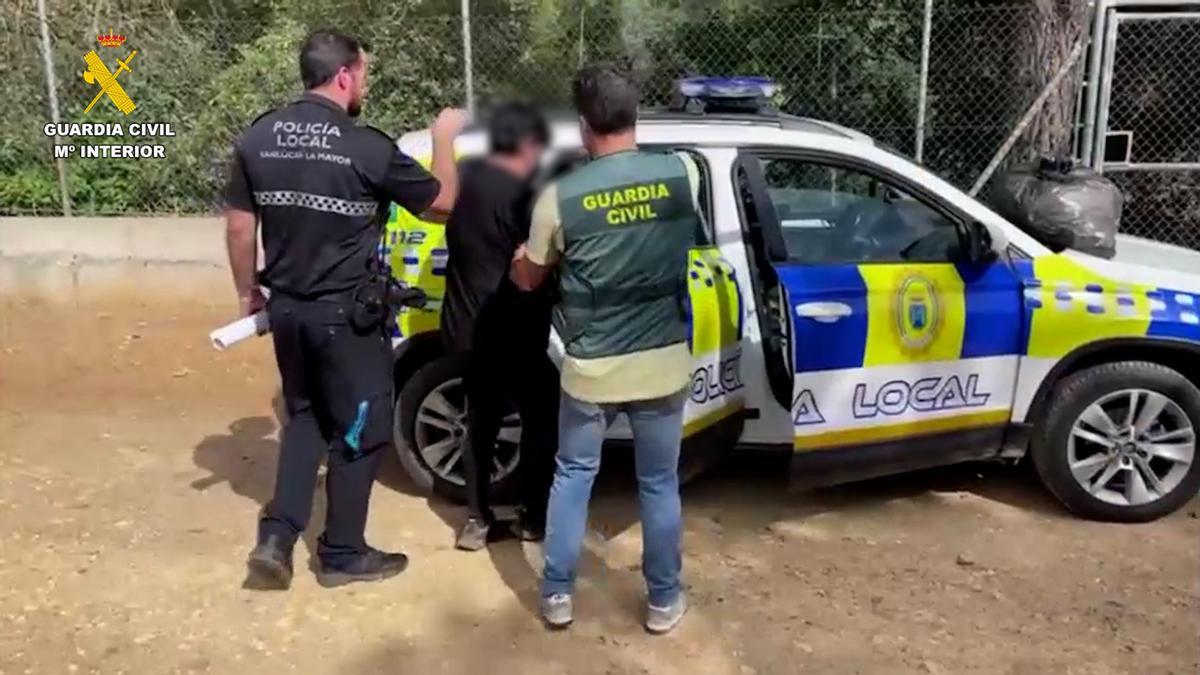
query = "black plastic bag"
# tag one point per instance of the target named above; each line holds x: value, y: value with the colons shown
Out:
x: 1061, y: 206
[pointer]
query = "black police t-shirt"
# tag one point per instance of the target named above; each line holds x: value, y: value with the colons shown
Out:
x: 483, y: 308
x: 321, y: 186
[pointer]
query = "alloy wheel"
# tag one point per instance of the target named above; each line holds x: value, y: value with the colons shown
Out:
x: 1131, y: 447
x: 441, y: 435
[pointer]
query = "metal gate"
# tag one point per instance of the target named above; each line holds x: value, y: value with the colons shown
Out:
x: 1143, y: 121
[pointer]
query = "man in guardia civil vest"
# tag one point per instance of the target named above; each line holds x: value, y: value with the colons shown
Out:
x: 617, y: 230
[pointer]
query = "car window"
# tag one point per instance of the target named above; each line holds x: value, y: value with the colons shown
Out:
x: 830, y: 214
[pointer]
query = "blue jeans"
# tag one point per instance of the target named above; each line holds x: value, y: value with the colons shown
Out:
x: 657, y: 430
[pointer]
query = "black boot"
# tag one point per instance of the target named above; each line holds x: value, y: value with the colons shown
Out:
x: 372, y: 565
x: 527, y: 527
x: 270, y: 565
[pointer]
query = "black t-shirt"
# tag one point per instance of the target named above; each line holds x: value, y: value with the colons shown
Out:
x: 482, y: 307
x: 321, y: 186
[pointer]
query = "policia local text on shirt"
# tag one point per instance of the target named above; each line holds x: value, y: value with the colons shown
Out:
x: 321, y: 185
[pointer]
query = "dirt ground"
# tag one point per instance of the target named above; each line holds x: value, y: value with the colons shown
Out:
x: 133, y: 460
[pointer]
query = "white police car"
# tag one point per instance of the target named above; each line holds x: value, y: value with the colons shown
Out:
x: 873, y: 318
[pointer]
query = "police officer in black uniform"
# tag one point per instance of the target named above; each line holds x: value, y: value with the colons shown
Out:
x: 321, y: 185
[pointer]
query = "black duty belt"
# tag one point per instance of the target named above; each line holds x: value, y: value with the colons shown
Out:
x: 332, y: 296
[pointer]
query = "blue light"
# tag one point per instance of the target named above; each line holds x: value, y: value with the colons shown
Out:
x: 718, y: 88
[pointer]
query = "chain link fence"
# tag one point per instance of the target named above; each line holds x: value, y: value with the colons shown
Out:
x: 210, y: 70
x: 1152, y: 139
x: 208, y: 75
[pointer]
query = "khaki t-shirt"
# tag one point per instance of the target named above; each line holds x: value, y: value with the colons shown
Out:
x: 637, y: 376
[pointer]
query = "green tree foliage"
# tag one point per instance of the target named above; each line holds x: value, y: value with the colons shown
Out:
x: 209, y: 67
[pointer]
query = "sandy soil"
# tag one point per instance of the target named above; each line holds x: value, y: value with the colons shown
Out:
x: 133, y: 460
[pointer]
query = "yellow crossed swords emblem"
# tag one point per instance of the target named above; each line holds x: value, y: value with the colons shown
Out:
x: 98, y: 73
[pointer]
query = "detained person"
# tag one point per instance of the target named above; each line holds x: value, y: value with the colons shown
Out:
x: 617, y: 231
x: 500, y: 332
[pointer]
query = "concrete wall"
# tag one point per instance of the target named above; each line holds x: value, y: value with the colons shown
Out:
x: 68, y: 259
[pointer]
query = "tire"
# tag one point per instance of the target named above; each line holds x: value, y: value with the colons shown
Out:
x: 1071, y: 434
x: 412, y: 441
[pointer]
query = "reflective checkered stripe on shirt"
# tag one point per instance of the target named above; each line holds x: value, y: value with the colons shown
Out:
x: 307, y: 200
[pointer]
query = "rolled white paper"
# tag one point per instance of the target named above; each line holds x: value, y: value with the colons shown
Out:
x: 227, y: 336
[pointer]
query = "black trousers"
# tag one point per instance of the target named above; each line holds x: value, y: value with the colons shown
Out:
x: 337, y: 386
x: 497, y: 382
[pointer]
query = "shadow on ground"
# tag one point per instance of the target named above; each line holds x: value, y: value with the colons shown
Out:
x: 246, y: 458
x: 748, y: 542
x: 743, y: 494
x: 747, y: 491
x: 756, y: 485
x: 504, y: 549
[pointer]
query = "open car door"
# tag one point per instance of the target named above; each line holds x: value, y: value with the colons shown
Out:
x: 714, y: 414
x: 766, y: 251
x: 892, y: 344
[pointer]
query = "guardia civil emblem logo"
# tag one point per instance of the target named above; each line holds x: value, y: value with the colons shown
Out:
x: 97, y: 73
x: 918, y: 313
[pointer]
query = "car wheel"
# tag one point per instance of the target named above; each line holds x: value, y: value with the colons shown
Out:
x: 430, y: 432
x: 1119, y: 442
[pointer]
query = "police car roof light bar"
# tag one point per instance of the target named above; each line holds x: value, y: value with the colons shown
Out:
x: 746, y: 94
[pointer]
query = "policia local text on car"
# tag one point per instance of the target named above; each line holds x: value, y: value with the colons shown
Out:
x: 321, y: 186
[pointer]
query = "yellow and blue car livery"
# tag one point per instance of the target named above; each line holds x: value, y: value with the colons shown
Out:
x: 1068, y: 306
x: 716, y: 318
x: 416, y: 252
x: 920, y: 349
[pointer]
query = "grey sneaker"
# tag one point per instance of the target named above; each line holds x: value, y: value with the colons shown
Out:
x: 661, y: 620
x: 473, y: 535
x: 558, y: 610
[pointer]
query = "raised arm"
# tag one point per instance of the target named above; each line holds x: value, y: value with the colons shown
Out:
x: 448, y: 125
x: 396, y: 177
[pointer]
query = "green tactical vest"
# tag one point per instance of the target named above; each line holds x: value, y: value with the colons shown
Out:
x: 628, y: 220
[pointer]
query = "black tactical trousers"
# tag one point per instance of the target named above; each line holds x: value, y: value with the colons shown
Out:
x: 337, y: 386
x: 498, y: 381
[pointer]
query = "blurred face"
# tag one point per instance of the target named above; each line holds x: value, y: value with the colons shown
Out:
x: 530, y: 153
x: 353, y: 82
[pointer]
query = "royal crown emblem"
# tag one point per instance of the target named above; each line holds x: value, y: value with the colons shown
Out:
x: 110, y: 39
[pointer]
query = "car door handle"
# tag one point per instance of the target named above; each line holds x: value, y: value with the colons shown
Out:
x: 823, y: 312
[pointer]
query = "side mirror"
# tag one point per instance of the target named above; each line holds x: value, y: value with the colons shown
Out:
x: 976, y: 241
